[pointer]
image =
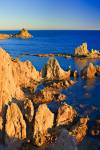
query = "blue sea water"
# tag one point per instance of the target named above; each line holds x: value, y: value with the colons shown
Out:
x: 60, y: 41
x: 85, y: 94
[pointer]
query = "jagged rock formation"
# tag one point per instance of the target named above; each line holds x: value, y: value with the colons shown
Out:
x: 14, y: 75
x: 89, y: 71
x: 66, y: 115
x: 15, y: 127
x: 22, y: 34
x: 53, y: 71
x: 82, y: 50
x: 4, y: 36
x: 43, y: 122
x: 80, y: 129
x: 28, y: 110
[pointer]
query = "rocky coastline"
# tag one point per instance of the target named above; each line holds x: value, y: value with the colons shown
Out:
x: 26, y: 121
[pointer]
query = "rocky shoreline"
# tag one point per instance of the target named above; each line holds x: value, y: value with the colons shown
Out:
x: 26, y: 122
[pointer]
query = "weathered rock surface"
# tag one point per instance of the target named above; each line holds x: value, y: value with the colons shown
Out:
x: 43, y: 122
x: 22, y: 34
x: 66, y: 115
x: 14, y: 75
x: 82, y: 50
x: 4, y: 36
x: 46, y: 95
x: 15, y: 127
x: 89, y: 71
x: 28, y: 110
x: 53, y: 71
x: 80, y: 129
x: 63, y: 142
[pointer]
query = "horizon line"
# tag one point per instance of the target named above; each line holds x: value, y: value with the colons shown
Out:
x: 51, y: 29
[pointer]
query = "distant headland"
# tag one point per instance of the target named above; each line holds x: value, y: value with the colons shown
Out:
x: 24, y: 34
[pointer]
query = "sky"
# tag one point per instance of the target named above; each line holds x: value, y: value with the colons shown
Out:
x: 50, y: 14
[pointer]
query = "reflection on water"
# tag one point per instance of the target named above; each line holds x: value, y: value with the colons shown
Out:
x: 82, y: 62
x: 90, y: 83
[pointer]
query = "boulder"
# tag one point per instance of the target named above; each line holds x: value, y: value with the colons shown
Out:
x: 80, y: 129
x: 66, y: 115
x: 14, y: 75
x: 15, y: 126
x: 43, y: 122
x: 24, y: 34
x: 53, y: 71
x: 89, y: 71
x: 82, y: 50
x: 28, y: 110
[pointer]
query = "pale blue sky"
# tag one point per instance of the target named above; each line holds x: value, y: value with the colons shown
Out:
x: 50, y: 14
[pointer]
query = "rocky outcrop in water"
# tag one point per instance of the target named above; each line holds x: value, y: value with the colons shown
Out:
x: 43, y: 122
x: 89, y: 71
x: 15, y: 127
x: 24, y: 34
x: 82, y: 50
x: 53, y: 71
x: 14, y: 75
x: 66, y: 115
x: 80, y: 129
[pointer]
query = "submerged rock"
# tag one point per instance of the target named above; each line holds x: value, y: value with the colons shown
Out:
x: 80, y: 129
x: 15, y: 127
x: 89, y: 71
x: 63, y: 141
x: 22, y: 34
x: 53, y: 71
x: 43, y: 122
x: 82, y: 50
x: 95, y: 130
x: 14, y: 75
x: 66, y: 115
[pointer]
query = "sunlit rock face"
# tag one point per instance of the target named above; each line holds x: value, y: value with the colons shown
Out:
x: 89, y: 71
x: 4, y: 36
x: 82, y: 50
x: 66, y: 115
x: 23, y: 34
x: 14, y: 75
x: 43, y: 122
x: 80, y: 129
x: 15, y: 126
x: 53, y: 71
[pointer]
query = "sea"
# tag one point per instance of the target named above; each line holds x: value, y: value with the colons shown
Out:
x: 84, y: 96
